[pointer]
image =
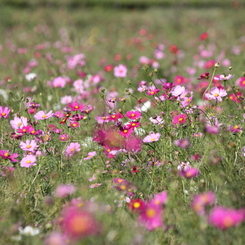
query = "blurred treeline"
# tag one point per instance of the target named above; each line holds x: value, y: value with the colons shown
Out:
x: 125, y: 3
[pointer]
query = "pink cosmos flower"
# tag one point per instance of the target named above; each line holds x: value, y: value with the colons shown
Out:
x: 18, y: 122
x: 59, y: 82
x: 56, y: 238
x: 184, y: 166
x: 151, y: 216
x: 63, y: 191
x: 235, y: 128
x: 157, y: 120
x: 200, y: 201
x: 224, y: 218
x: 63, y: 137
x: 152, y: 137
x: 178, y: 80
x: 95, y: 185
x: 240, y: 82
x: 75, y: 106
x: 183, y: 143
x: 177, y: 90
x: 77, y: 223
x: 152, y: 90
x: 223, y: 77
x: 4, y: 112
x: 216, y: 94
x: 120, y: 71
x: 6, y: 155
x: 29, y: 145
x: 101, y: 119
x: 136, y: 205
x: 66, y: 99
x: 90, y: 155
x: 126, y: 132
x: 159, y: 198
x: 72, y: 148
x: 28, y: 161
x: 189, y: 173
x: 133, y: 114
x: 115, y: 117
x: 41, y: 115
x: 132, y: 144
x: 179, y: 119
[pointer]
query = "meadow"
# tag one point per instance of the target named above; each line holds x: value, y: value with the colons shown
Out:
x: 122, y: 126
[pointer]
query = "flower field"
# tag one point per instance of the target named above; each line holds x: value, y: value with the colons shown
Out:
x: 122, y: 126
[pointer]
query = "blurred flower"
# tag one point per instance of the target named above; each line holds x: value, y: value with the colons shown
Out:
x: 224, y: 218
x: 183, y: 143
x: 30, y: 76
x: 204, y: 76
x: 90, y: 155
x: 95, y: 185
x: 200, y: 201
x: 223, y: 77
x: 136, y: 205
x: 189, y: 173
x: 63, y: 191
x: 120, y: 71
x: 77, y: 223
x: 56, y: 238
x: 159, y: 198
x: 29, y: 231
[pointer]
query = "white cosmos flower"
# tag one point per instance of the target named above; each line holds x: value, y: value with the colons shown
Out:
x: 29, y: 231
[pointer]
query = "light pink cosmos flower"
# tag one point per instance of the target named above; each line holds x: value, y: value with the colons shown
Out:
x: 159, y: 198
x: 224, y: 218
x: 72, y: 149
x: 152, y: 137
x: 18, y: 122
x: 90, y: 155
x: 216, y: 94
x: 157, y: 120
x: 95, y: 185
x: 59, y: 82
x: 223, y: 77
x: 200, y: 201
x: 177, y: 90
x: 189, y: 173
x: 63, y: 191
x: 28, y: 161
x: 4, y: 112
x: 29, y: 145
x: 120, y: 71
x: 42, y: 115
x: 66, y: 99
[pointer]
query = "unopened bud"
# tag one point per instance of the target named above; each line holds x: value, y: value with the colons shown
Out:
x: 216, y: 65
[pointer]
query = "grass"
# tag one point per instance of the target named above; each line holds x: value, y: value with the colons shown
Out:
x: 29, y: 196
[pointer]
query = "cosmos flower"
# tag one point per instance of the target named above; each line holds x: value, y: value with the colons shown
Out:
x: 72, y: 148
x: 120, y: 71
x: 41, y: 115
x: 224, y: 218
x: 152, y: 137
x: 29, y: 145
x: 28, y: 161
x: 4, y: 112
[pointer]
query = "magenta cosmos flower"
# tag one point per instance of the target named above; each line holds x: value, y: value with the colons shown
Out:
x: 179, y: 119
x: 6, y: 155
x: 4, y: 112
x: 120, y: 71
x: 216, y: 94
x: 72, y: 149
x: 224, y: 218
x: 42, y: 115
x: 152, y: 137
x: 133, y: 114
x: 28, y: 161
x: 29, y: 145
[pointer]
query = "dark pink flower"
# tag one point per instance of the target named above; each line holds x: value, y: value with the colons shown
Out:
x: 6, y: 155
x: 179, y: 119
x: 75, y: 106
x: 133, y: 114
x: 4, y: 112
